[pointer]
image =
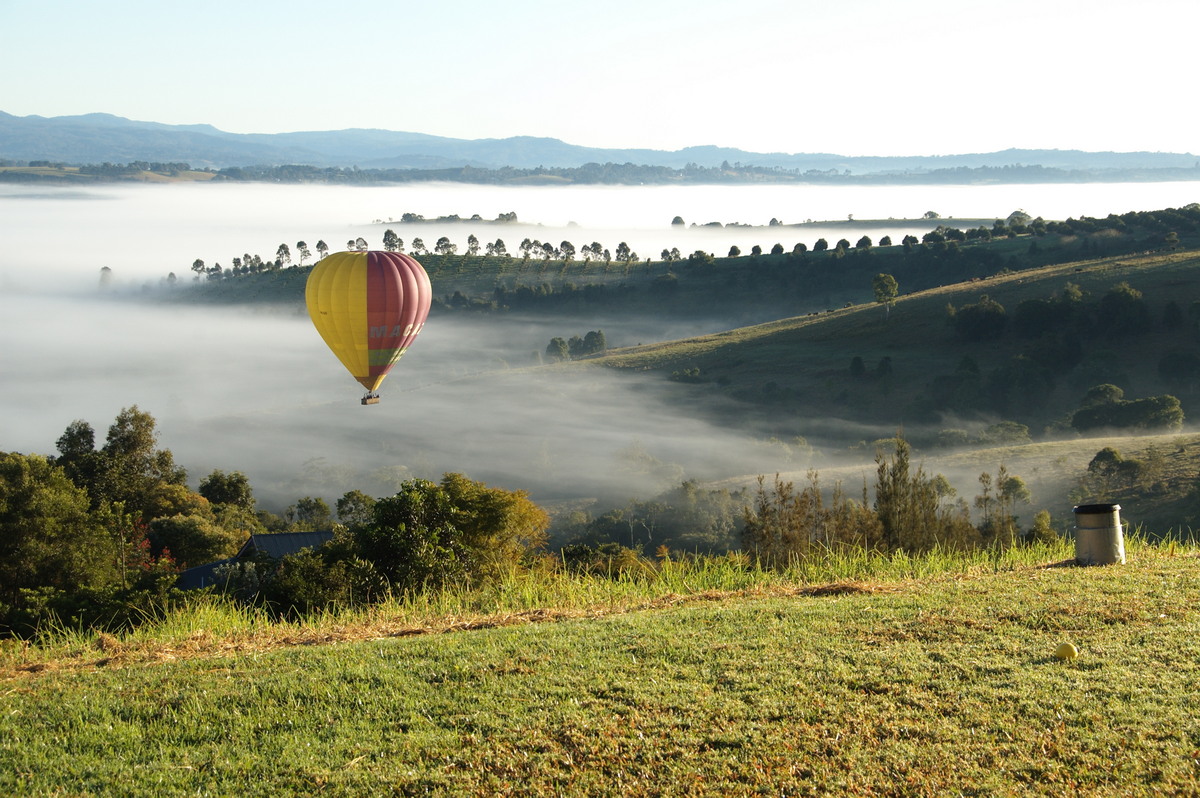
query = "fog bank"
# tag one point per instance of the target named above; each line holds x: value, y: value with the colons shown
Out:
x: 59, y: 238
x: 258, y: 392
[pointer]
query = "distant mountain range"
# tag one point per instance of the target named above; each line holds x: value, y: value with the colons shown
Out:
x: 100, y: 138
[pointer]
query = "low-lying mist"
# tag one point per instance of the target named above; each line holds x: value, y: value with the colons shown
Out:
x: 257, y: 391
x: 60, y: 237
x: 61, y: 241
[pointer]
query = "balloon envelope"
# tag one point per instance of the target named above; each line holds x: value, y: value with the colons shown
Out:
x: 368, y: 306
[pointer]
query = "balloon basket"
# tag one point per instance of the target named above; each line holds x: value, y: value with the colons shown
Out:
x: 371, y: 399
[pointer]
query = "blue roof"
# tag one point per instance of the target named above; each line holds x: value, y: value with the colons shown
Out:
x: 281, y: 544
x: 200, y: 575
x: 276, y: 546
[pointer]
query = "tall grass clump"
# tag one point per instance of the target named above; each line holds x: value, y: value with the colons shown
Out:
x: 210, y: 623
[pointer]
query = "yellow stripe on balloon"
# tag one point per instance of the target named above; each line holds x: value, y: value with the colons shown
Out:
x: 337, y: 302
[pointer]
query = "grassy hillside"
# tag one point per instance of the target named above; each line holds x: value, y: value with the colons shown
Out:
x: 793, y: 377
x: 742, y: 290
x: 800, y: 366
x: 830, y: 366
x: 922, y: 677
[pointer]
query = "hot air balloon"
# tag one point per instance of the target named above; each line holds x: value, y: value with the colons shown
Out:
x: 368, y: 306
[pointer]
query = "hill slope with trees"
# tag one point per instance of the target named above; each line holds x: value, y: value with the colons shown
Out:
x: 1016, y: 322
x: 1022, y: 332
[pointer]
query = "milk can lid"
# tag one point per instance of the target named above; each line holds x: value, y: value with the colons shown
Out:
x: 1095, y: 509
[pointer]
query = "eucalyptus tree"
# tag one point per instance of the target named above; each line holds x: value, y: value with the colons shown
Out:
x: 232, y: 488
x: 886, y: 290
x: 128, y: 468
x: 391, y: 241
x: 48, y: 535
x: 558, y: 350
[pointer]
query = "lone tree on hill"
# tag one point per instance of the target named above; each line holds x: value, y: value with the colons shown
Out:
x: 886, y: 290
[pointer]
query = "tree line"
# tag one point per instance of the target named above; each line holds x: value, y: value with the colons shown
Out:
x: 95, y: 536
x: 576, y: 347
x: 783, y: 276
x: 608, y: 173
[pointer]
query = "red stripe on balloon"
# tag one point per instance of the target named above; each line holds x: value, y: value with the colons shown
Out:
x: 398, y: 299
x: 380, y: 301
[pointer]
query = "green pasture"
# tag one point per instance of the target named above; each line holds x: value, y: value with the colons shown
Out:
x: 927, y: 676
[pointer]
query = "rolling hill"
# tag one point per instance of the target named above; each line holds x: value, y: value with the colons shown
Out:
x: 794, y: 377
x: 97, y: 138
x: 827, y: 365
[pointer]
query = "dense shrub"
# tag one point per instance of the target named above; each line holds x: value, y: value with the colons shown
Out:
x: 783, y: 524
x: 605, y: 559
x: 1154, y: 412
x: 984, y: 320
x: 911, y: 507
x: 428, y: 535
x: 1123, y: 312
x: 48, y: 538
x: 684, y: 520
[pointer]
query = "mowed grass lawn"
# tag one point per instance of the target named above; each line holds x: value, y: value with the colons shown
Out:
x: 947, y: 685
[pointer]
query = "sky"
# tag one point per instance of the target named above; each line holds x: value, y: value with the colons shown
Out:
x: 853, y: 77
